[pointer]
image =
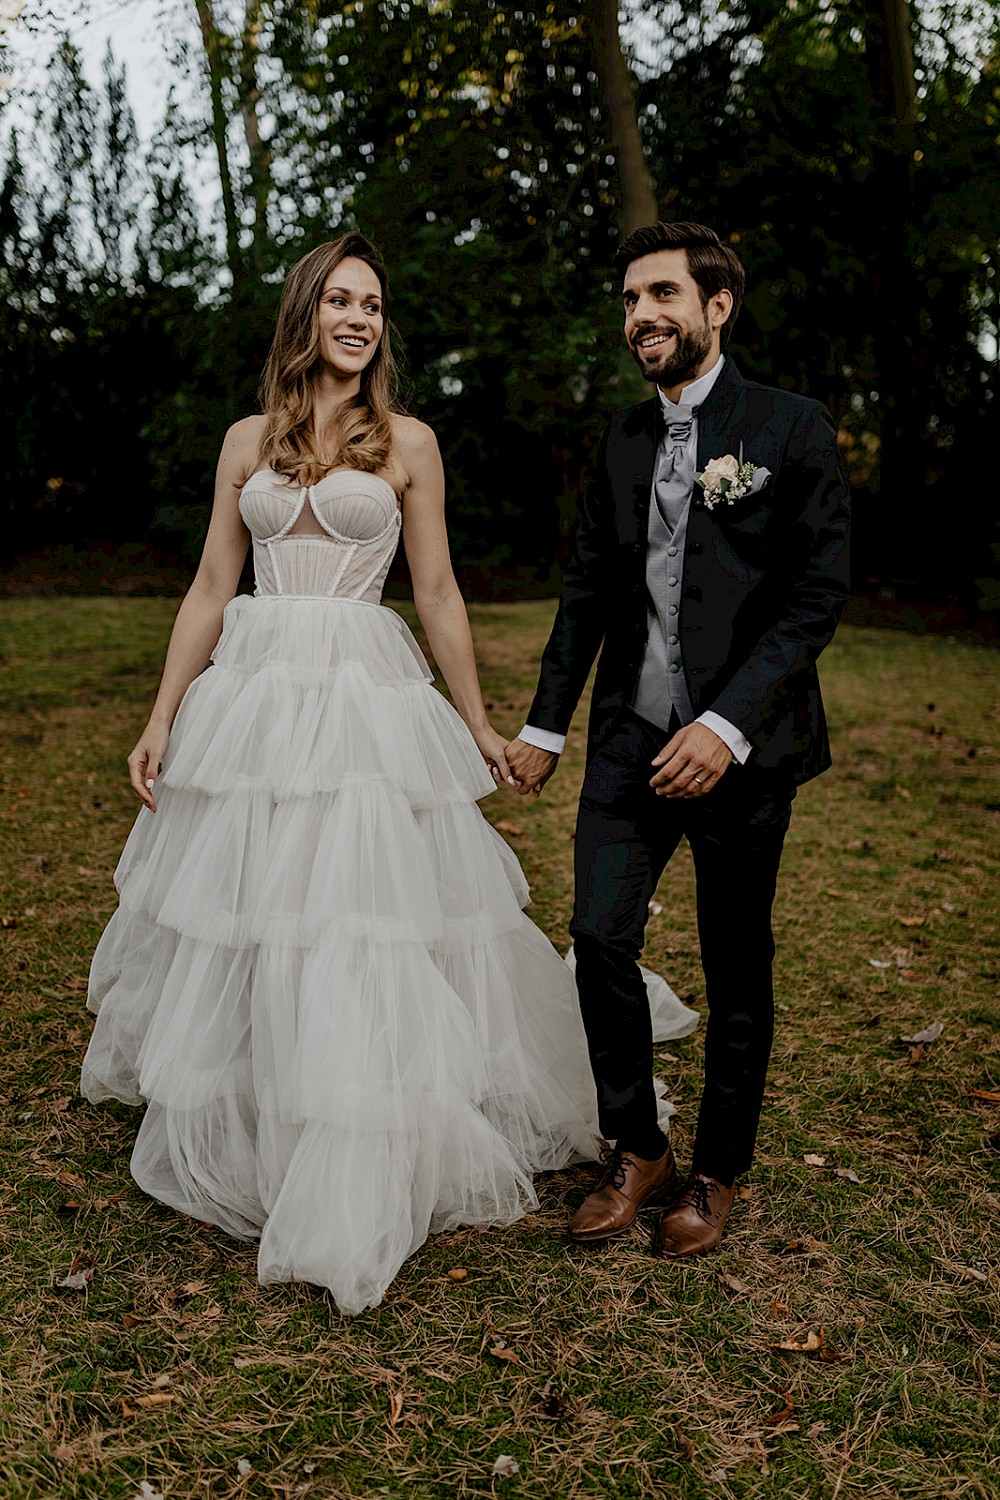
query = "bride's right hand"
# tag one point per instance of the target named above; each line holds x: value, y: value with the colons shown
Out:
x: 144, y: 763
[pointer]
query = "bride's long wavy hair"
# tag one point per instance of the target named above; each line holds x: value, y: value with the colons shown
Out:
x: 363, y: 435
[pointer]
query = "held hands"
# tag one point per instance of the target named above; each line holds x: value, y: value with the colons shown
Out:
x: 691, y: 763
x: 531, y: 767
x: 144, y: 763
x: 493, y: 748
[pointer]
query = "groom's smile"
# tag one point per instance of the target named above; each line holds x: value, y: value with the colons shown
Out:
x: 653, y: 340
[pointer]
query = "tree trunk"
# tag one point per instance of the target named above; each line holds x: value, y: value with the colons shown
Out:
x: 260, y: 156
x: 898, y: 334
x: 637, y: 203
x: 213, y: 43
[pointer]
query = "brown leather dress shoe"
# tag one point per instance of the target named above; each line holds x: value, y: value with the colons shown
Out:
x: 695, y: 1220
x: 628, y: 1184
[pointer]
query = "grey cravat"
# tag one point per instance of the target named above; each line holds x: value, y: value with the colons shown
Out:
x: 674, y: 471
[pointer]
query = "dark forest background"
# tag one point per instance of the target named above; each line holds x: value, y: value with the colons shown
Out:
x: 849, y: 149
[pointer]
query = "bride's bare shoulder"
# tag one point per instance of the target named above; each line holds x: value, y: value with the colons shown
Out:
x: 415, y: 445
x: 241, y: 448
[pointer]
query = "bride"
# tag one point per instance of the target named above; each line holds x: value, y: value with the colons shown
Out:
x: 320, y: 979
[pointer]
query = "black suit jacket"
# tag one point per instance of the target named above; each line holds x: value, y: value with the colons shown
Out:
x: 765, y: 579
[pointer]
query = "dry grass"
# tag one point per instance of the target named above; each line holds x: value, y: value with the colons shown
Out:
x: 630, y: 1378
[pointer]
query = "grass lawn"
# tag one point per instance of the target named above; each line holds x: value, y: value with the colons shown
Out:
x: 869, y: 1222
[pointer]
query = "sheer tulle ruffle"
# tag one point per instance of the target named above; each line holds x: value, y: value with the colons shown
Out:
x: 320, y: 978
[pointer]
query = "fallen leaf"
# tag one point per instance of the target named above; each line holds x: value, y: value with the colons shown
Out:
x: 30, y: 911
x: 988, y: 1096
x: 745, y: 1192
x: 847, y: 1174
x: 916, y: 1053
x: 828, y: 1355
x: 783, y: 1415
x: 878, y: 963
x: 457, y: 1273
x: 809, y: 1345
x: 395, y: 1407
x: 71, y: 1179
x: 61, y: 1105
x: 655, y: 908
x: 902, y: 791
x: 146, y: 1492
x: 553, y: 1406
x: 506, y: 1467
x: 161, y: 1382
x: 513, y: 830
x: 501, y: 1351
x: 733, y: 1282
x: 77, y: 1280
x: 814, y: 1161
x: 912, y: 921
x: 777, y: 1308
x: 132, y: 1320
x: 69, y: 1206
x: 243, y: 1468
x: 158, y: 1398
x: 816, y: 1429
x: 929, y: 1034
x: 64, y: 1454
x: 685, y: 1444
x: 100, y: 1204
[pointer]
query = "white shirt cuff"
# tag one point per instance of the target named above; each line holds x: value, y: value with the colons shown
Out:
x: 544, y: 739
x: 728, y: 734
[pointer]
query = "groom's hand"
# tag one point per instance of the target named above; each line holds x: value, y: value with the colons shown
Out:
x: 529, y: 766
x: 691, y: 763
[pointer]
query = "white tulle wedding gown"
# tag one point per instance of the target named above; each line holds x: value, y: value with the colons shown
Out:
x: 320, y: 979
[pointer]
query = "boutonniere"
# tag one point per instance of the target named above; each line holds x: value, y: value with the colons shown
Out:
x: 725, y: 480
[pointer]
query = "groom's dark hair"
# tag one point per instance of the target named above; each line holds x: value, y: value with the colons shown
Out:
x: 714, y: 265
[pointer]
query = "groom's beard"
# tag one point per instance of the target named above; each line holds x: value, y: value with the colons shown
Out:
x: 681, y: 358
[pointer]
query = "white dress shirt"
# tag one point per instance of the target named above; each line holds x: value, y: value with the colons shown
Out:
x: 674, y: 411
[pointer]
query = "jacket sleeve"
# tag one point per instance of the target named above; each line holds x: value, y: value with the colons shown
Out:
x: 816, y: 576
x: 579, y: 626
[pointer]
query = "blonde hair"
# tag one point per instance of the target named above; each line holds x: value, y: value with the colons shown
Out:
x: 363, y: 434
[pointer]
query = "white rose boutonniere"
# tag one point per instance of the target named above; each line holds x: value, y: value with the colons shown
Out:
x: 726, y: 480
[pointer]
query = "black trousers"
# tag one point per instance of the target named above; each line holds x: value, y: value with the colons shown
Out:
x: 624, y: 837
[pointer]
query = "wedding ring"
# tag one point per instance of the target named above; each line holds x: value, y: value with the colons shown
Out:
x: 699, y: 781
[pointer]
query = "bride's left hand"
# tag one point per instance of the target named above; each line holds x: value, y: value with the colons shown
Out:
x: 493, y: 748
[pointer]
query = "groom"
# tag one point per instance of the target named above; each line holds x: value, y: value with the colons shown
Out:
x: 710, y: 589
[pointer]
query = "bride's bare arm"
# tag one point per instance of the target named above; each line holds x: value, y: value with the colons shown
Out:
x: 436, y: 594
x: 199, y: 620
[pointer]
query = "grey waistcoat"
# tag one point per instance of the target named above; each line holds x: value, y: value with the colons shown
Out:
x: 662, y: 685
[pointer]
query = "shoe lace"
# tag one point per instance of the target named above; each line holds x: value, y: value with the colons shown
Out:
x: 615, y: 1170
x: 697, y: 1194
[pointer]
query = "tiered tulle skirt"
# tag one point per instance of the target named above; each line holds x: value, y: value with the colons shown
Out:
x: 319, y: 978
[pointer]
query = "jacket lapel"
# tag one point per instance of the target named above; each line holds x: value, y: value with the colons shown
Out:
x: 719, y: 416
x: 637, y: 456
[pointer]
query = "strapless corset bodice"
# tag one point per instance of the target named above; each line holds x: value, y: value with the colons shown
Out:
x: 333, y: 539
